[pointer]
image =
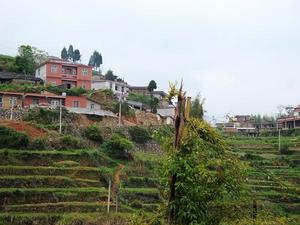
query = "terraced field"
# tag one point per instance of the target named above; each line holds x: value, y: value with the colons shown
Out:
x: 45, y: 187
x: 274, y: 177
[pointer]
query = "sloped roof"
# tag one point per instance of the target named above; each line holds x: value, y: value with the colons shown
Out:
x: 11, y: 75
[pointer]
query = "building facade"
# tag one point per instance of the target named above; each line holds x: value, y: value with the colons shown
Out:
x: 118, y: 88
x: 58, y: 72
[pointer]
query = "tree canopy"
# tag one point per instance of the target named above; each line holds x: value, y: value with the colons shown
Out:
x: 76, y: 55
x: 95, y: 60
x: 110, y: 75
x: 64, y: 53
x: 152, y: 86
x: 197, y: 110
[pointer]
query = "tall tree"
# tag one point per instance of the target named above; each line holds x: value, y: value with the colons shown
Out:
x: 28, y: 58
x: 110, y: 75
x: 71, y: 53
x: 152, y: 86
x: 64, y: 53
x: 197, y: 110
x: 92, y: 61
x: 76, y: 55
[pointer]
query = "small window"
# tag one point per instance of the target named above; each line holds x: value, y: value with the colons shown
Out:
x: 53, y: 69
x: 74, y: 71
x: 122, y: 89
x: 35, y: 101
x: 92, y: 106
x: 55, y: 103
x: 39, y: 71
x: 76, y: 104
x: 116, y: 87
x: 110, y: 85
x: 1, y: 101
x: 84, y: 71
x: 83, y: 85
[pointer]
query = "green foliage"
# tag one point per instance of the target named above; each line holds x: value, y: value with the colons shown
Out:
x: 39, y: 144
x: 76, y: 55
x: 70, y: 52
x: 152, y: 86
x: 93, y: 133
x: 95, y: 60
x: 139, y: 135
x: 209, y: 181
x: 284, y: 148
x: 75, y: 91
x: 64, y: 53
x: 21, y: 87
x: 68, y: 142
x: 8, y: 63
x: 10, y: 138
x: 118, y: 147
x: 197, y: 110
x: 110, y: 75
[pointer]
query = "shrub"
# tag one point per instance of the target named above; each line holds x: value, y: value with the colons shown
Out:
x: 10, y: 138
x: 39, y: 144
x: 139, y: 134
x: 284, y: 148
x: 126, y: 110
x: 68, y: 142
x: 93, y: 133
x: 118, y: 147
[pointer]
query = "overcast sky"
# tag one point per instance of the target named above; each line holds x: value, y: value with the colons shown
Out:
x: 243, y: 56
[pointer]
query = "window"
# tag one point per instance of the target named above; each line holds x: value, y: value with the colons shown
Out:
x: 92, y: 106
x: 54, y: 103
x: 110, y: 85
x: 53, y: 69
x: 1, y: 101
x: 116, y: 87
x: 84, y: 71
x: 35, y: 101
x: 76, y: 104
x: 74, y: 71
x: 122, y: 89
x: 39, y: 71
x: 13, y: 101
x: 83, y: 85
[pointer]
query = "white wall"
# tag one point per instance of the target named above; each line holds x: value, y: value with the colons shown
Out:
x: 41, y: 72
x: 96, y: 105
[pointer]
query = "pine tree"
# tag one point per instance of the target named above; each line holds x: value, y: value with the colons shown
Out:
x: 71, y: 53
x: 92, y: 61
x: 76, y: 55
x: 64, y: 53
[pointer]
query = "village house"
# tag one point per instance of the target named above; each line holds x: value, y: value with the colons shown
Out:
x: 60, y: 72
x: 10, y: 100
x: 290, y: 121
x: 118, y: 87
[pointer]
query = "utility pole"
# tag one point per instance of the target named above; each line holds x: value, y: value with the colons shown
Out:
x: 279, y: 140
x: 60, y: 113
x: 120, y: 111
x: 108, y: 199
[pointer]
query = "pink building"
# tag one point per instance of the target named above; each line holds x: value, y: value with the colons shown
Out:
x: 58, y: 71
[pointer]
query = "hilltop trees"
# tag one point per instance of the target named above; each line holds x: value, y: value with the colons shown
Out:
x: 110, y: 75
x: 152, y: 86
x: 96, y: 60
x: 197, y: 110
x: 76, y: 55
x: 70, y: 52
x: 64, y: 53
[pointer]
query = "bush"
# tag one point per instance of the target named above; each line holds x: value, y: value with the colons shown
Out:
x: 139, y: 134
x: 68, y: 142
x: 126, y: 110
x: 10, y: 138
x: 118, y: 147
x: 284, y: 148
x: 93, y: 133
x: 43, y: 116
x: 39, y: 144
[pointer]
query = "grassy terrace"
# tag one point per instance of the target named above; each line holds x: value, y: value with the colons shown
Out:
x: 273, y: 177
x: 47, y: 186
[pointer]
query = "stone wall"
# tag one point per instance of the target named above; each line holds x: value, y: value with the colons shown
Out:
x: 17, y: 114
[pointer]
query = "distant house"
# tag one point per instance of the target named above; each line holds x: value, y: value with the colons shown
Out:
x: 58, y: 72
x: 167, y: 115
x: 10, y: 100
x: 160, y: 95
x: 117, y: 87
x: 238, y: 124
x: 8, y: 77
x: 139, y: 89
x: 290, y: 121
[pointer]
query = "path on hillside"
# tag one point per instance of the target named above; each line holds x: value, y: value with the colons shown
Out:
x: 117, y: 180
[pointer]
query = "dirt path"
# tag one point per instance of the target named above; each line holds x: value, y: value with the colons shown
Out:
x: 117, y: 179
x: 24, y: 127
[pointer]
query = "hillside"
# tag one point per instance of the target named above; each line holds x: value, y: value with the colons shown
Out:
x: 274, y: 177
x: 45, y: 187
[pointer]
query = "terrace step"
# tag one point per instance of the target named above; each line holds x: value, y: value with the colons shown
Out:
x: 59, y: 207
x: 12, y: 196
x: 78, y: 171
x: 46, y: 181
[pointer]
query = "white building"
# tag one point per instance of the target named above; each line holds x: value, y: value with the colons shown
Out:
x: 167, y: 115
x: 117, y: 87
